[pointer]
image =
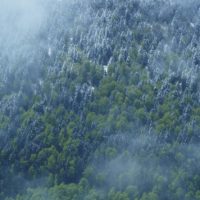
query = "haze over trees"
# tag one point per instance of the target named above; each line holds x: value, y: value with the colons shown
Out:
x: 99, y: 100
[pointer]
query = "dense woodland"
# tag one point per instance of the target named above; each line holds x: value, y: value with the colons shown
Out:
x: 113, y: 113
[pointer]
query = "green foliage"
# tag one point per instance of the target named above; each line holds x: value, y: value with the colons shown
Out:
x: 75, y: 125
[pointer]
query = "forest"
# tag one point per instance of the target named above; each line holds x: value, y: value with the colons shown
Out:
x: 100, y: 100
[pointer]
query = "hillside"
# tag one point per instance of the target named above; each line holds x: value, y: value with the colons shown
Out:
x: 100, y: 100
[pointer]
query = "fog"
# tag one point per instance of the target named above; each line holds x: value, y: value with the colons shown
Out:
x: 32, y: 37
x: 21, y: 22
x: 143, y: 163
x: 21, y: 18
x: 26, y: 30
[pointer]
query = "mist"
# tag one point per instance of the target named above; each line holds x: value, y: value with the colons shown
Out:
x: 21, y: 23
x: 143, y: 165
x: 99, y: 99
x: 28, y: 29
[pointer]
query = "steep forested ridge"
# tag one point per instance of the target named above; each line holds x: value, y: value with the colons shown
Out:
x: 101, y: 101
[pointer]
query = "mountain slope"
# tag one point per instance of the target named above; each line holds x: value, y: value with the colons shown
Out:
x: 101, y: 102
